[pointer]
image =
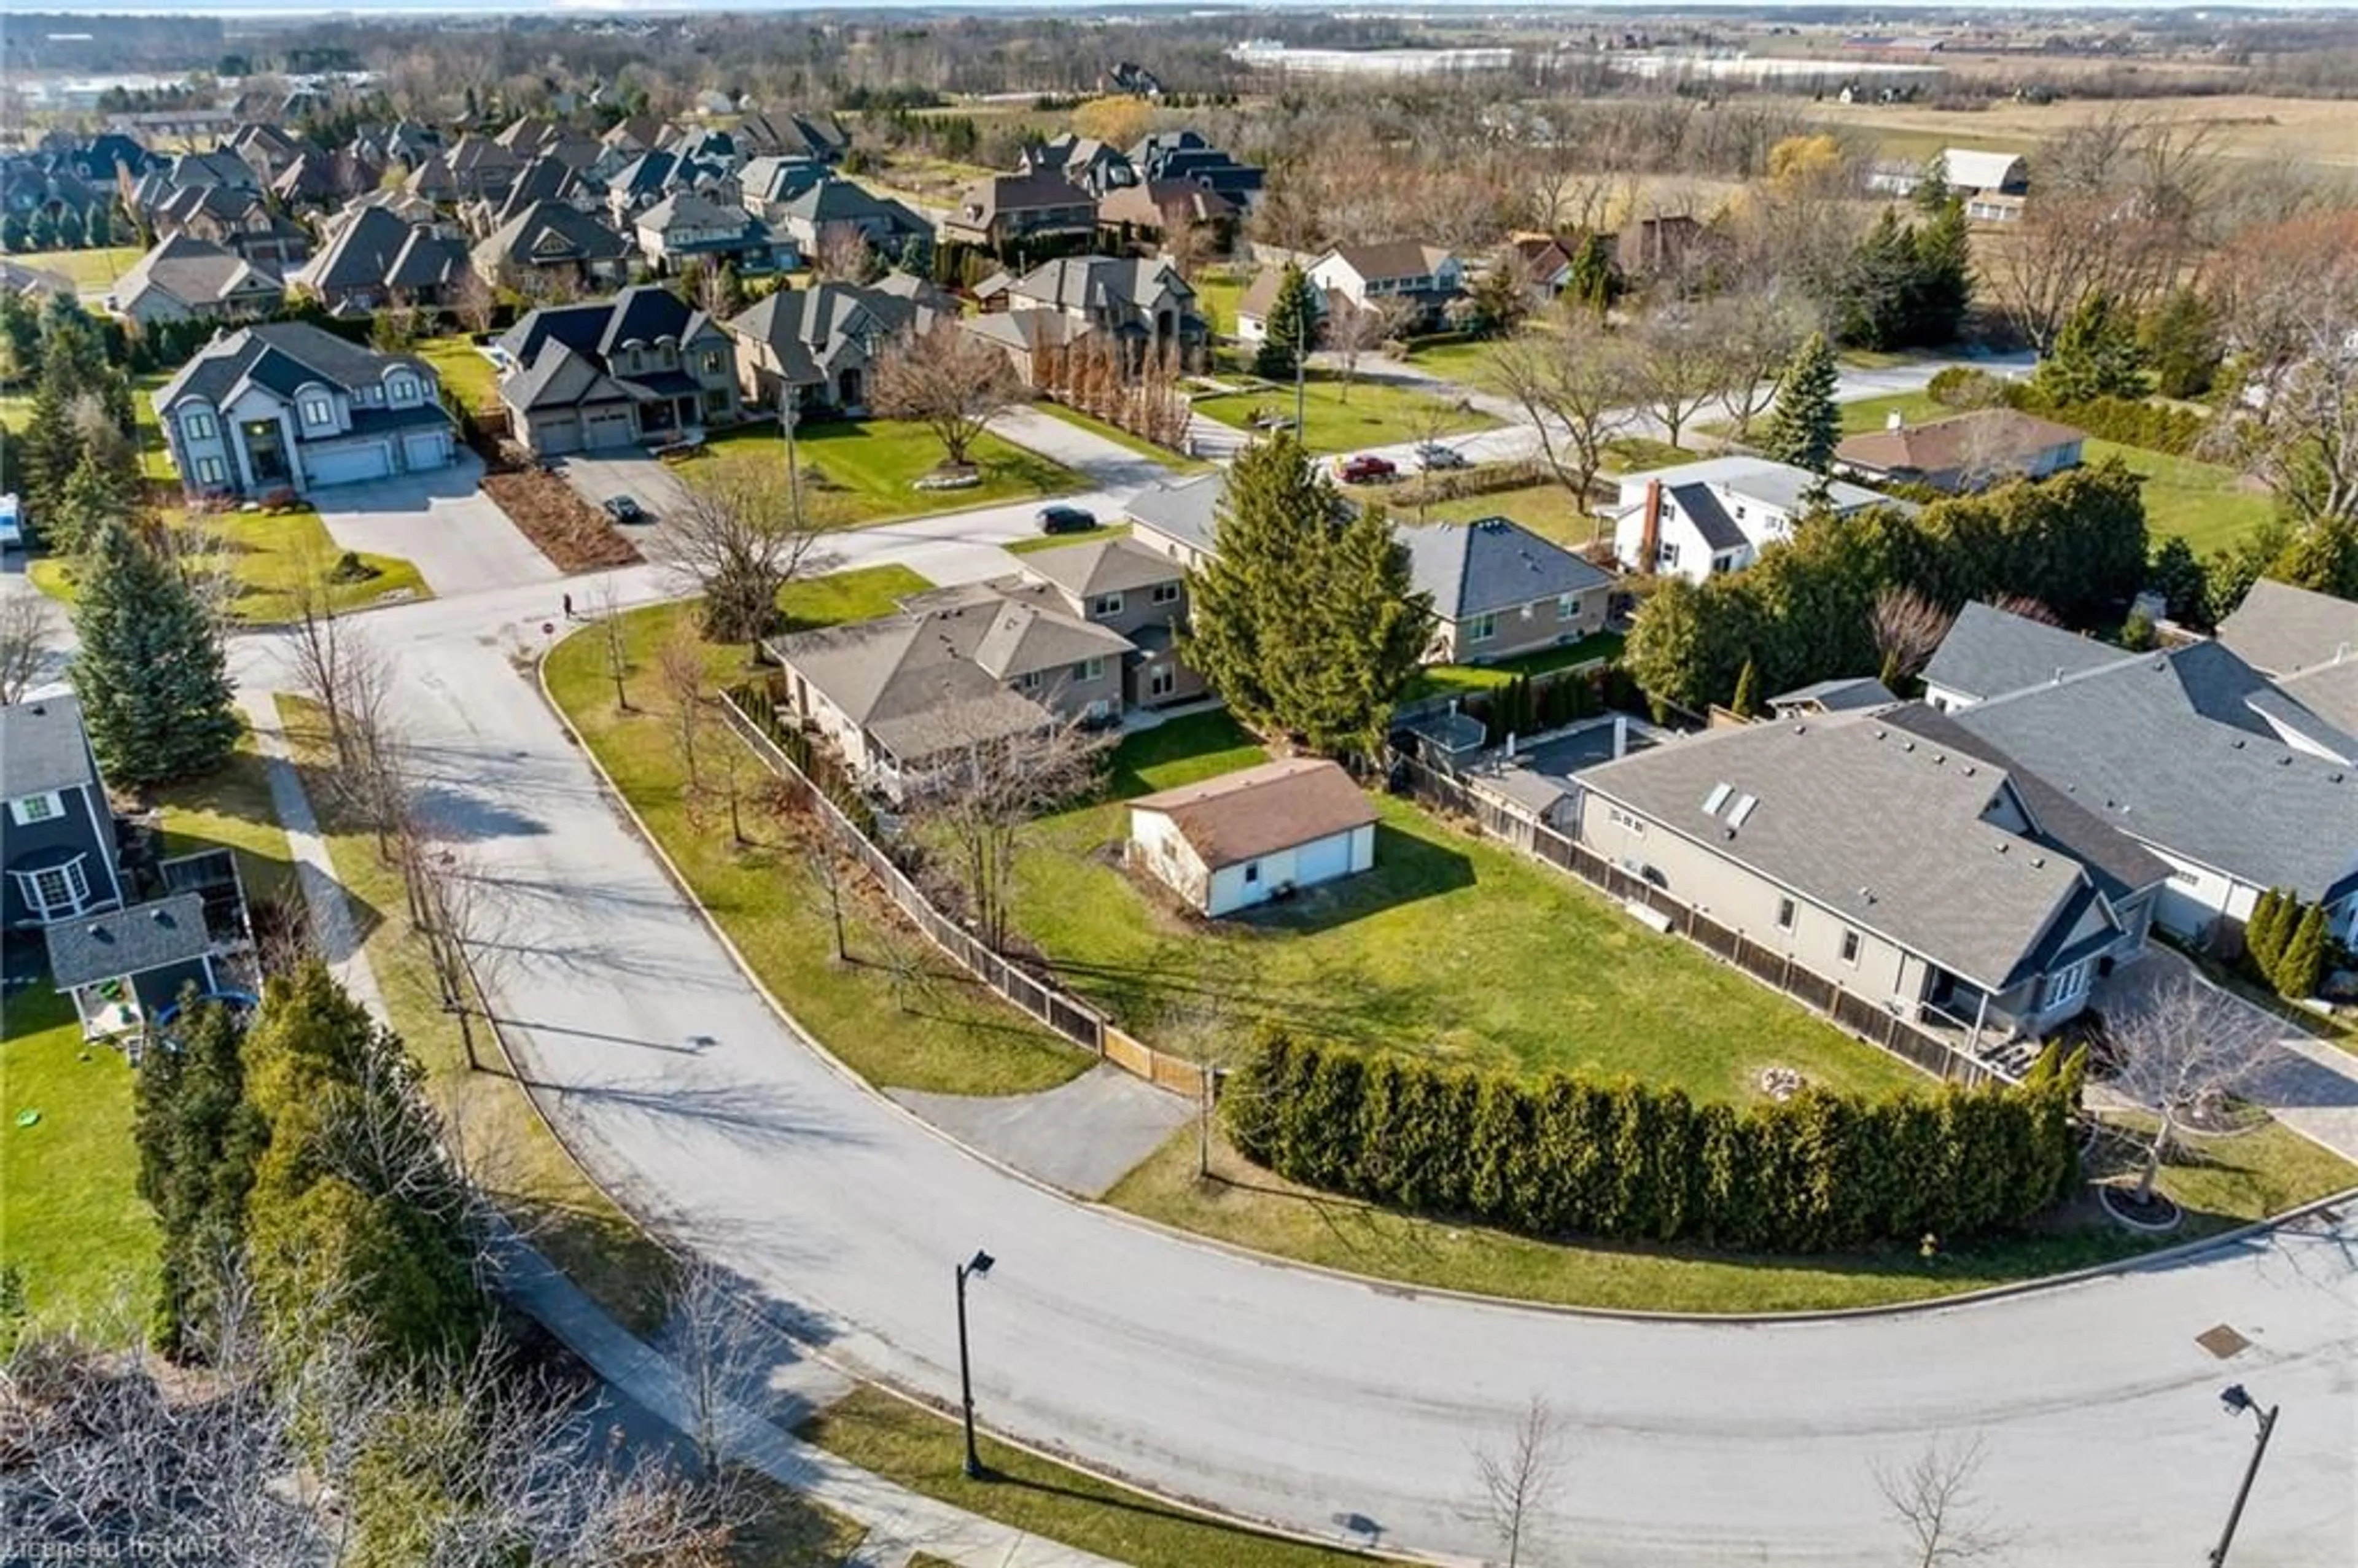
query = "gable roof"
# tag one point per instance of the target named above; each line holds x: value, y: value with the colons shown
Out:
x: 2280, y: 629
x: 2167, y: 749
x: 108, y: 947
x: 1491, y: 564
x: 1100, y: 283
x: 1187, y: 511
x: 374, y: 248
x: 1395, y: 258
x: 1989, y: 652
x: 1862, y: 819
x: 693, y: 208
x: 985, y: 198
x: 1985, y: 438
x: 45, y: 745
x: 2330, y: 691
x: 551, y: 233
x: 1775, y: 484
x: 195, y: 272
x: 1837, y: 696
x: 1259, y: 811
x: 282, y: 356
x: 805, y: 327
x: 1699, y: 504
x: 1101, y: 566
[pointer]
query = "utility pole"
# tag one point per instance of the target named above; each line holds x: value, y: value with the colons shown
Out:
x: 977, y: 1266
x: 789, y: 415
x: 2237, y: 1401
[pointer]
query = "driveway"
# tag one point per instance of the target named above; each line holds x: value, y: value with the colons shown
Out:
x: 601, y: 476
x: 443, y: 522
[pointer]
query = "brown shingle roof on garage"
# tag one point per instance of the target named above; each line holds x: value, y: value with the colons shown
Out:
x: 1259, y: 811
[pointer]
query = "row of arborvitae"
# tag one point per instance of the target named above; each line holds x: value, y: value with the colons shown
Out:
x: 2285, y: 940
x: 1563, y: 1156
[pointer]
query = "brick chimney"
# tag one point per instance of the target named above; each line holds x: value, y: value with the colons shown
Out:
x: 1650, y: 540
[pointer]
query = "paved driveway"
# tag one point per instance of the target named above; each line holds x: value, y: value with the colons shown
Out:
x: 457, y: 536
x: 601, y: 476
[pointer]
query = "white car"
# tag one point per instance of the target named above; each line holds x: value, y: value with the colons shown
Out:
x: 1433, y: 456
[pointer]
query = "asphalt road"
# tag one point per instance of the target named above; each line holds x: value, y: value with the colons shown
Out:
x: 1293, y: 1396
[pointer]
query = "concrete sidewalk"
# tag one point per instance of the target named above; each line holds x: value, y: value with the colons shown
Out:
x: 899, y: 1521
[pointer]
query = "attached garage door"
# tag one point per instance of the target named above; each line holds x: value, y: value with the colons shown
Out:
x: 425, y: 450
x: 349, y: 465
x: 1324, y: 859
x: 602, y: 428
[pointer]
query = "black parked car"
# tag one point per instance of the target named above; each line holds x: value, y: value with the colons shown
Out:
x: 625, y: 509
x: 1067, y: 520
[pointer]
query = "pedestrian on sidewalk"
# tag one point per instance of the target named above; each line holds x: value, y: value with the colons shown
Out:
x: 568, y: 607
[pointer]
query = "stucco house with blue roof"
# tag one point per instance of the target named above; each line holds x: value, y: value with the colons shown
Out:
x: 288, y: 405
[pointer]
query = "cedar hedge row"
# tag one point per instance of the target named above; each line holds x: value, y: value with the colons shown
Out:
x: 1565, y: 1155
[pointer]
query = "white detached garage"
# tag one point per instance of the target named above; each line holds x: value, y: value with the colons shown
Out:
x: 1243, y: 838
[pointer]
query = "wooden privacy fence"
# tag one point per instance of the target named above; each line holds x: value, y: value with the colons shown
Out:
x: 1869, y: 1021
x: 1060, y: 1011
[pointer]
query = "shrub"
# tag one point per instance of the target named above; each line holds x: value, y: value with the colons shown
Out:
x: 350, y: 567
x: 1565, y: 1155
x: 1962, y: 386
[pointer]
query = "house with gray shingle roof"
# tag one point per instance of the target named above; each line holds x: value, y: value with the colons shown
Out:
x: 187, y: 280
x: 374, y: 259
x: 643, y: 366
x: 59, y: 848
x: 2281, y: 630
x: 1499, y: 590
x: 1989, y: 652
x: 1907, y: 870
x: 2232, y: 778
x: 958, y: 667
x: 1700, y: 519
x: 552, y: 244
x: 286, y: 405
x: 822, y: 342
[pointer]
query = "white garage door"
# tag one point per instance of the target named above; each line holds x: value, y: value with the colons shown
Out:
x: 603, y: 427
x: 427, y: 448
x: 348, y: 465
x: 1323, y: 860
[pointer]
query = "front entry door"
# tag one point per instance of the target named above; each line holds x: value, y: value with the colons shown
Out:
x: 264, y: 450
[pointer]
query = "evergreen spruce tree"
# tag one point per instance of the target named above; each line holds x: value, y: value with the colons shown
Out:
x: 1291, y: 328
x: 2302, y: 965
x: 92, y: 493
x: 198, y: 1142
x: 1237, y: 622
x: 1872, y: 308
x: 1943, y: 285
x: 1805, y: 426
x: 2264, y: 935
x: 1362, y: 627
x: 2179, y: 577
x: 2183, y: 345
x: 2095, y: 355
x: 154, y: 688
x: 1746, y: 701
x: 1592, y: 279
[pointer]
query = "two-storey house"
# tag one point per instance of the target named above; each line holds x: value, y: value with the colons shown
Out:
x: 1011, y: 214
x: 187, y: 280
x: 687, y: 226
x: 640, y: 367
x: 822, y: 342
x: 1404, y: 276
x: 552, y: 246
x: 1499, y: 589
x: 1128, y: 589
x: 286, y: 405
x: 1144, y: 305
x: 1717, y: 515
x: 62, y: 851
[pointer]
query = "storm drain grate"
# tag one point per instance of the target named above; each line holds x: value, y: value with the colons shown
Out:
x: 2223, y: 1341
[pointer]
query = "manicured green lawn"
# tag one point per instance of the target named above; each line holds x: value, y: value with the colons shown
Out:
x: 926, y: 1453
x: 937, y: 1031
x: 268, y: 555
x: 869, y: 468
x: 1450, y: 947
x: 2209, y: 506
x: 230, y: 808
x: 70, y: 1216
x: 1122, y: 439
x: 465, y: 372
x: 1216, y: 294
x: 16, y: 413
x: 1466, y: 363
x: 1435, y: 680
x: 1547, y: 510
x: 93, y: 267
x: 1373, y: 414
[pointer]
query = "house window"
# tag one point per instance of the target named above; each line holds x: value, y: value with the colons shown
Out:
x: 1784, y: 914
x: 2067, y: 984
x: 1668, y: 556
x: 31, y: 808
x: 210, y: 472
x: 319, y: 412
x: 1624, y: 821
x: 1164, y: 593
x: 1089, y: 669
x: 1850, y: 948
x: 1029, y: 680
x: 197, y: 425
x: 1106, y: 604
x: 712, y: 361
x: 1482, y: 628
x: 716, y: 400
x: 1252, y: 870
x: 402, y: 388
x: 1567, y: 607
x: 55, y: 892
x: 1161, y: 681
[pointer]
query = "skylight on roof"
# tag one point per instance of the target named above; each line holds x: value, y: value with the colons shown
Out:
x: 1715, y: 799
x: 1745, y: 804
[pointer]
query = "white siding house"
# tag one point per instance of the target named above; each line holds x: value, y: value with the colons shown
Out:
x: 1263, y: 833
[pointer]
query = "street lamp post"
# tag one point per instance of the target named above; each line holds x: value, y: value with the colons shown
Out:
x: 977, y: 1266
x: 789, y: 415
x: 2237, y: 1401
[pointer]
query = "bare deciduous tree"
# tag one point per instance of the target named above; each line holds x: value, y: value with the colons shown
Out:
x: 612, y: 644
x: 714, y: 1343
x: 472, y: 301
x: 1680, y: 365
x: 1908, y: 628
x: 1758, y: 330
x: 317, y: 645
x: 1576, y: 383
x: 1520, y: 1477
x: 1352, y: 331
x: 461, y: 920
x: 2288, y: 294
x: 680, y: 664
x: 1934, y: 1499
x: 26, y: 640
x: 844, y: 255
x: 949, y: 381
x: 982, y: 793
x: 738, y: 538
x: 2180, y: 1049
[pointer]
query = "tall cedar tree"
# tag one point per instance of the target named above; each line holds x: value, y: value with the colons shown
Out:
x: 1291, y: 328
x: 2095, y: 355
x: 1942, y: 287
x: 355, y: 1202
x: 2264, y: 935
x: 1306, y: 621
x: 1746, y: 701
x: 2183, y: 345
x: 2303, y: 963
x: 198, y: 1141
x: 1806, y: 425
x: 154, y: 686
x: 1592, y: 281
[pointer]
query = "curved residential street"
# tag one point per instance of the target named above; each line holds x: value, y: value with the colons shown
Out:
x: 1323, y: 1404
